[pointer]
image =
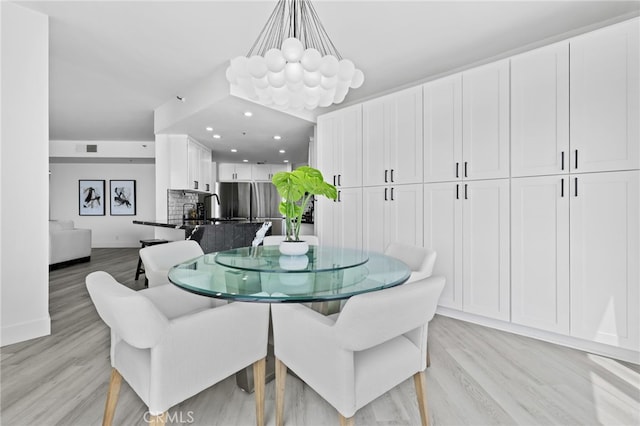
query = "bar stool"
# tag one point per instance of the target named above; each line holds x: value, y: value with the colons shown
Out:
x: 146, y: 243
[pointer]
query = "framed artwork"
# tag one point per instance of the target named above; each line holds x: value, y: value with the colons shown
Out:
x: 91, y: 197
x: 122, y: 196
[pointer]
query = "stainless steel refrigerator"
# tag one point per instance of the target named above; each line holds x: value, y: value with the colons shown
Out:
x: 248, y: 201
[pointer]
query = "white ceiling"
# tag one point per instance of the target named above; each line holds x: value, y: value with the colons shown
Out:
x: 112, y: 63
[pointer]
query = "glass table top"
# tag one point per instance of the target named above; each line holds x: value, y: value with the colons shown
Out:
x: 269, y: 259
x: 261, y: 274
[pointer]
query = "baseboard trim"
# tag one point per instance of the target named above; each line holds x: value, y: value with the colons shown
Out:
x: 69, y: 263
x: 547, y: 336
x: 25, y: 331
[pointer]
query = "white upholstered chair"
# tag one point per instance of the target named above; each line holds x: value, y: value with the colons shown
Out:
x: 420, y: 260
x: 158, y: 259
x: 274, y: 240
x: 376, y: 342
x: 169, y: 344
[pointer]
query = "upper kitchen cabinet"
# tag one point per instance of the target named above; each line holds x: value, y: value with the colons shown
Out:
x: 540, y: 111
x: 605, y: 92
x: 234, y: 172
x: 190, y: 167
x: 339, y: 146
x: 442, y: 129
x: 392, y: 139
x: 485, y: 121
x: 265, y: 172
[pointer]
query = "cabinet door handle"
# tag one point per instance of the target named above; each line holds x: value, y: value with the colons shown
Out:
x: 562, y: 188
x: 465, y: 169
x: 392, y: 194
x: 562, y: 160
x: 334, y: 180
x: 385, y: 176
x: 195, y: 184
x: 576, y: 187
x: 457, y: 171
x: 339, y: 180
x: 465, y: 192
x: 392, y: 177
x: 576, y: 160
x: 457, y: 191
x: 339, y: 200
x: 385, y: 194
x: 207, y: 186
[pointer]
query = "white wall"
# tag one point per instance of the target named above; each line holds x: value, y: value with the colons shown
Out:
x: 24, y: 133
x: 107, y: 230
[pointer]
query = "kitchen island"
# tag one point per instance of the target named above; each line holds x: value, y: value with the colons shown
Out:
x: 214, y: 235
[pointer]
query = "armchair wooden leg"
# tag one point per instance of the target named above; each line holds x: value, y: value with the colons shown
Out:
x: 281, y: 378
x: 112, y: 397
x: 421, y: 392
x: 346, y: 421
x: 259, y: 371
x: 158, y: 420
x: 428, y: 357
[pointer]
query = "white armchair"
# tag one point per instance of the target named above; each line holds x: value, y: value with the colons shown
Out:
x: 376, y: 342
x: 420, y: 260
x: 158, y: 259
x: 169, y: 344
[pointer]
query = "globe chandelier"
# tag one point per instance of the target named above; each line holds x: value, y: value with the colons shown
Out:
x: 293, y: 63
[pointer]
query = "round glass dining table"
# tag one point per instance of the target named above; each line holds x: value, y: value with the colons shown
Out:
x: 262, y: 274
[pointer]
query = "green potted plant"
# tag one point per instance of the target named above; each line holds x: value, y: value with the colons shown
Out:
x: 296, y: 189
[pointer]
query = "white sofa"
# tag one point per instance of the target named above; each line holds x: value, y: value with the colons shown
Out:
x: 68, y: 244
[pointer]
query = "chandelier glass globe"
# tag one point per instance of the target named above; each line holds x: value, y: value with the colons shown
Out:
x: 293, y: 64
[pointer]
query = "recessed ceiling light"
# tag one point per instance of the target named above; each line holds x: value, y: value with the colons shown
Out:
x: 209, y: 129
x: 234, y: 150
x: 286, y: 161
x: 277, y: 137
x: 245, y: 161
x: 217, y: 136
x: 282, y: 151
x: 248, y: 114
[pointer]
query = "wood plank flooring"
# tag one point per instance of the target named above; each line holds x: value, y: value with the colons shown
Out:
x: 478, y: 376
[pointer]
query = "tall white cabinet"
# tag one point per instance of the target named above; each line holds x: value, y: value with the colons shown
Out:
x: 605, y: 257
x: 468, y: 226
x: 529, y: 190
x: 392, y: 135
x: 339, y: 223
x: 605, y: 97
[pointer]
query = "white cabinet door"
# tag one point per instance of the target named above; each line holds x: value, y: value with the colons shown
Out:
x: 348, y: 218
x: 540, y: 111
x: 339, y: 222
x: 243, y: 172
x: 205, y: 170
x: 405, y: 219
x: 442, y: 129
x: 194, y: 166
x: 392, y: 139
x: 226, y: 172
x: 605, y: 278
x: 403, y: 116
x: 605, y: 96
x: 392, y: 214
x: 485, y: 248
x: 375, y: 216
x: 374, y: 164
x: 443, y: 233
x: 339, y: 146
x: 261, y: 172
x: 540, y: 252
x: 485, y: 118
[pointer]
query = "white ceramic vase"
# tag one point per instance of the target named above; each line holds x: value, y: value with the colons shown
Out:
x: 294, y: 248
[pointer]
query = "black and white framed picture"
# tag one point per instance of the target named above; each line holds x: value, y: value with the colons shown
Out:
x: 91, y: 197
x: 122, y: 194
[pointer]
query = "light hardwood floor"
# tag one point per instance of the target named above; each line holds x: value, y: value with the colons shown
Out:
x: 478, y: 376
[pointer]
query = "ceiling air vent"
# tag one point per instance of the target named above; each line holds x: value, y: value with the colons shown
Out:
x: 92, y: 148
